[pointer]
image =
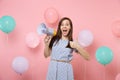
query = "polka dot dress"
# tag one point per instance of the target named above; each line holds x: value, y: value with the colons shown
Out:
x: 60, y: 70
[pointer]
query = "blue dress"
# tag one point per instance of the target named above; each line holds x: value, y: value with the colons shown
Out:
x: 60, y: 70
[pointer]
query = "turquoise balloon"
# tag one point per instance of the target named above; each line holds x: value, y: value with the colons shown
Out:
x: 7, y: 24
x: 104, y: 55
x: 0, y: 23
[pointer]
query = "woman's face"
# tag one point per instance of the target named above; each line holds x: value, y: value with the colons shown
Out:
x: 65, y: 27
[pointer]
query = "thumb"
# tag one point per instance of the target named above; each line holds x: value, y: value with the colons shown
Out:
x: 76, y: 40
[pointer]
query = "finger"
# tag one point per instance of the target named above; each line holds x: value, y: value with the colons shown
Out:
x: 76, y: 39
x: 46, y: 40
x: 46, y: 37
x: 49, y: 37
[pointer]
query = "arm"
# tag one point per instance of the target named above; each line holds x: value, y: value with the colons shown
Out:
x: 47, y: 50
x: 80, y: 50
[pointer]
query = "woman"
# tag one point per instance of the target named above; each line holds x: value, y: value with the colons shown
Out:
x: 60, y: 48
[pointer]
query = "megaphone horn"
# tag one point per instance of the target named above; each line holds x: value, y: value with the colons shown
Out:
x: 42, y: 29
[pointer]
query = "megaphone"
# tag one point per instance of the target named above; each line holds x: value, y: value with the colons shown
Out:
x: 42, y: 29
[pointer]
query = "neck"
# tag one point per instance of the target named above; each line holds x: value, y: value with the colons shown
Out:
x: 64, y: 38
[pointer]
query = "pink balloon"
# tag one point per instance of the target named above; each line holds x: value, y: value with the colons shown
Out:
x: 51, y: 16
x: 116, y: 28
x: 118, y: 77
x: 32, y: 40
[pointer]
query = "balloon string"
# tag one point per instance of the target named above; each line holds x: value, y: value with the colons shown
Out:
x: 118, y: 64
x: 20, y: 77
x: 84, y: 71
x: 7, y: 44
x: 7, y: 40
x: 117, y: 68
x: 105, y: 73
x: 32, y: 76
x: 78, y: 70
x: 33, y: 65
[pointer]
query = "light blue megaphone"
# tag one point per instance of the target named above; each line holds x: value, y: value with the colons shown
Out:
x: 42, y: 29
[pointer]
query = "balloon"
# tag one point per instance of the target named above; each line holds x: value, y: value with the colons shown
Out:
x: 116, y: 28
x: 0, y: 23
x: 7, y: 24
x: 118, y: 77
x: 104, y: 55
x: 32, y: 40
x: 85, y: 38
x: 20, y: 65
x: 51, y: 16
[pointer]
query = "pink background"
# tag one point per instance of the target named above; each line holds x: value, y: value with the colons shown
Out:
x: 95, y: 15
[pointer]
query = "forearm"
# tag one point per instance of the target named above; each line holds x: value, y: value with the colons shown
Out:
x: 83, y: 53
x: 47, y: 51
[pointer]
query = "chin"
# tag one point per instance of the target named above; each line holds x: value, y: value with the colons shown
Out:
x: 65, y: 35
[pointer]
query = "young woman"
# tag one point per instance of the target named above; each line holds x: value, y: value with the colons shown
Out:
x: 60, y: 47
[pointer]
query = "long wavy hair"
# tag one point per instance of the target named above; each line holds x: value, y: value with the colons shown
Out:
x: 58, y: 35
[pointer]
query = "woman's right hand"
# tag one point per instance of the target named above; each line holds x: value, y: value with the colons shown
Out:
x: 47, y: 50
x: 47, y: 40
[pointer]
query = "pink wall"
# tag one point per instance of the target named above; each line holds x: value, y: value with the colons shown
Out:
x: 95, y: 15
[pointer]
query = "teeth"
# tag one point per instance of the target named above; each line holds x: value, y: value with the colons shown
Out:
x: 64, y: 30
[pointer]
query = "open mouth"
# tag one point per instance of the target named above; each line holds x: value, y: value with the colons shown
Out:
x: 64, y: 30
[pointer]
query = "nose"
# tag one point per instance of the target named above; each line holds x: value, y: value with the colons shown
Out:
x: 65, y: 26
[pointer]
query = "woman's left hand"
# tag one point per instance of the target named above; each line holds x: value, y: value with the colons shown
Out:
x: 74, y: 44
x: 81, y: 51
